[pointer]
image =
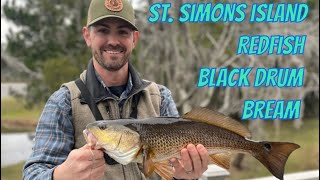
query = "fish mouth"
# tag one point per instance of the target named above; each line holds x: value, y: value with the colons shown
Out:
x: 85, y: 134
x: 90, y: 138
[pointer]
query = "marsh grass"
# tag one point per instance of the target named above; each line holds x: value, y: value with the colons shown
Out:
x: 15, y: 117
x: 13, y: 172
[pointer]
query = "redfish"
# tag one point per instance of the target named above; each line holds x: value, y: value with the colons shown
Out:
x: 153, y: 141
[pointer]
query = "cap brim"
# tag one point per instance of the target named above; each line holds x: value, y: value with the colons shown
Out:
x: 114, y: 16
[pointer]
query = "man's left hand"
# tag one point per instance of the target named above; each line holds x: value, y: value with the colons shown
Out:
x: 193, y: 163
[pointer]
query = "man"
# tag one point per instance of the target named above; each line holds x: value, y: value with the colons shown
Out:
x: 60, y: 151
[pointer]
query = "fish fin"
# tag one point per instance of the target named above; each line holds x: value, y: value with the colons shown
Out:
x: 164, y: 169
x: 274, y: 156
x: 215, y: 118
x: 221, y: 159
x: 148, y: 165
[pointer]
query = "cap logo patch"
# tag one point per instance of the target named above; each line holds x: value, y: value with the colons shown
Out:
x: 113, y: 5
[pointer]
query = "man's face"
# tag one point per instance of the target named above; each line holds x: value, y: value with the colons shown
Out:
x: 111, y: 41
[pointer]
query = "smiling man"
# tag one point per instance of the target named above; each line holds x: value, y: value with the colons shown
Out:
x: 110, y: 88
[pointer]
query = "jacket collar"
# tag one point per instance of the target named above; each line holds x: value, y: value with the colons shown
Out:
x: 99, y: 93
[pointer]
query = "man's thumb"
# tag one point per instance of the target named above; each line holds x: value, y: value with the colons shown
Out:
x: 87, y: 146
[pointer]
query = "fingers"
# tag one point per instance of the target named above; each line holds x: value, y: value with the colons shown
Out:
x: 198, y: 158
x: 98, y: 168
x: 85, y: 163
x: 99, y: 163
x: 176, y: 164
x: 193, y: 163
x: 203, y: 155
x: 98, y: 172
x: 96, y: 155
x: 86, y: 153
x: 92, y: 155
x: 86, y: 146
x: 196, y: 161
x: 186, y: 160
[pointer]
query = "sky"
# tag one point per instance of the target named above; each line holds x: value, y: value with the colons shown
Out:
x: 5, y: 25
x: 4, y: 28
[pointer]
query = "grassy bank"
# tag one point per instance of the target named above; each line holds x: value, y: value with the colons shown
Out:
x: 13, y: 172
x: 15, y: 117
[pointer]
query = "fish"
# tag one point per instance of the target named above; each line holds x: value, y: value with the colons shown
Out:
x: 153, y: 141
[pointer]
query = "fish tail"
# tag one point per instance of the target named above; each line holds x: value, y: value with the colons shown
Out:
x: 274, y: 156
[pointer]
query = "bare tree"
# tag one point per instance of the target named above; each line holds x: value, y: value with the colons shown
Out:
x: 19, y: 67
x: 174, y: 53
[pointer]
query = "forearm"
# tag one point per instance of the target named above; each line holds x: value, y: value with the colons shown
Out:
x: 168, y: 106
x: 53, y: 138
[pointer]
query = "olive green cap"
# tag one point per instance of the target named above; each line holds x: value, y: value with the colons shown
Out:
x: 100, y: 9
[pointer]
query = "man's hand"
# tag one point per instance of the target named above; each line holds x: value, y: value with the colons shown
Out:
x: 82, y: 163
x: 193, y: 163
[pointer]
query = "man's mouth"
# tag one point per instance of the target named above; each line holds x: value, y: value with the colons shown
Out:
x: 113, y: 51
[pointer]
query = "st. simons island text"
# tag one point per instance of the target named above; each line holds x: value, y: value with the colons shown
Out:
x: 230, y: 12
x: 237, y: 12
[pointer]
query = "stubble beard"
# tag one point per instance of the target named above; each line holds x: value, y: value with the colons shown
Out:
x: 114, y: 65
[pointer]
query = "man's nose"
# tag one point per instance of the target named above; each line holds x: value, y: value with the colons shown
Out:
x: 113, y: 40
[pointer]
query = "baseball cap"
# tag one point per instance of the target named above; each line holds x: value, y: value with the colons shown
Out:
x: 100, y: 9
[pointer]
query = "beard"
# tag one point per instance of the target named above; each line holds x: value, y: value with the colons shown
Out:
x: 113, y: 63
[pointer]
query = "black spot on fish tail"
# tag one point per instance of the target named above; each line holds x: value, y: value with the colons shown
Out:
x: 274, y: 155
x: 267, y: 146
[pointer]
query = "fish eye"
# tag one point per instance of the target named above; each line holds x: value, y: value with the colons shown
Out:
x: 267, y: 146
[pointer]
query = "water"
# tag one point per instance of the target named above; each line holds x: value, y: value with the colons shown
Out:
x: 15, y: 147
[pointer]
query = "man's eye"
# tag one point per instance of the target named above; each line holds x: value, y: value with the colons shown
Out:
x: 123, y: 32
x: 103, y: 31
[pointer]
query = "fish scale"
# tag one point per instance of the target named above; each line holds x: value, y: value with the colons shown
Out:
x: 179, y: 134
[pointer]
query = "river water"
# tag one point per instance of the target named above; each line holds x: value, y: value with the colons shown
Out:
x: 15, y: 147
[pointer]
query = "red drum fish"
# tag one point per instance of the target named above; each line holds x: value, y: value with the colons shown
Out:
x: 153, y: 141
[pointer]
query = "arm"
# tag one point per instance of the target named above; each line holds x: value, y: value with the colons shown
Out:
x: 167, y: 107
x: 53, y: 156
x: 53, y: 139
x: 194, y: 159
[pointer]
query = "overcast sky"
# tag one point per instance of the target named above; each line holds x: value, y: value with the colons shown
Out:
x: 5, y: 24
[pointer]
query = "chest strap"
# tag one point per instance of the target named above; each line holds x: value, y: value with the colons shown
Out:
x: 95, y: 111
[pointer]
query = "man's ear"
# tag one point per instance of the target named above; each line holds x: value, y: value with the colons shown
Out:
x: 136, y: 35
x: 86, y: 35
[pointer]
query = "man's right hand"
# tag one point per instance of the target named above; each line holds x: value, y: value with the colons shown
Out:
x: 82, y: 163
